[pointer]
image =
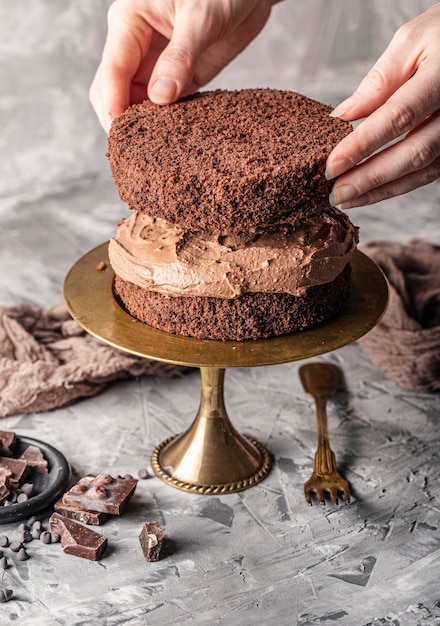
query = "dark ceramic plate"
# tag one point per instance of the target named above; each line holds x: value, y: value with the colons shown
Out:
x: 47, y: 487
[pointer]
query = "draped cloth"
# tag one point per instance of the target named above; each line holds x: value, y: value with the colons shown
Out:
x: 405, y: 344
x: 48, y: 361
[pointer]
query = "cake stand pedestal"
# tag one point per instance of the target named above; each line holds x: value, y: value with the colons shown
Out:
x: 211, y: 456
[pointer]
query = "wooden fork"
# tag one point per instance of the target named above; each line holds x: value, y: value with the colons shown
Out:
x: 320, y: 380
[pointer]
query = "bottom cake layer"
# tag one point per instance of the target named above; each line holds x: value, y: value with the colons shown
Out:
x: 252, y: 316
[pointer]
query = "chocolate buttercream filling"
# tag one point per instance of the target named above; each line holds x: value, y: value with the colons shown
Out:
x: 162, y: 257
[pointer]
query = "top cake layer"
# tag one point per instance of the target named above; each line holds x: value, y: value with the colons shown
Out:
x: 226, y: 160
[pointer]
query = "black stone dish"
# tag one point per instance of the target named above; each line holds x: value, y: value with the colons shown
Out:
x: 47, y: 487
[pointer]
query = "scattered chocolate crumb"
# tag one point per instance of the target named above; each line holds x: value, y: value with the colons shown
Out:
x: 5, y: 595
x: 101, y: 266
x: 143, y: 473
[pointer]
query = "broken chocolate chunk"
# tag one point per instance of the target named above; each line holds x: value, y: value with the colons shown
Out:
x: 8, y: 440
x: 77, y: 539
x: 17, y: 467
x: 101, y: 493
x: 151, y: 540
x: 35, y: 459
x: 4, y: 483
x: 76, y: 512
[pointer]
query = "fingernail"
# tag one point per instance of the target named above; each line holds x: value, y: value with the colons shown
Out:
x: 344, y: 193
x: 337, y: 167
x: 345, y: 106
x: 163, y: 91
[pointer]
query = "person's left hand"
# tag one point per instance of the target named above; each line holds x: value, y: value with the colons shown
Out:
x: 400, y: 98
x: 163, y: 49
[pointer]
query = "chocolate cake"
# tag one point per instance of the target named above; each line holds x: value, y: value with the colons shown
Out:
x: 232, y: 236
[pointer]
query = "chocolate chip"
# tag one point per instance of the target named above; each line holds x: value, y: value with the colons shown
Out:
x: 5, y: 595
x: 55, y: 537
x: 16, y: 546
x: 26, y: 536
x: 144, y: 473
x: 3, y: 562
x: 27, y: 488
x: 22, y: 555
x: 45, y: 536
x: 36, y: 533
x: 22, y: 497
x: 4, y: 541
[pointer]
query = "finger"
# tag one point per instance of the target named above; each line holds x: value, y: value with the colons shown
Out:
x: 127, y: 41
x: 416, y: 154
x: 407, y: 107
x: 396, y: 187
x: 223, y: 51
x: 175, y: 67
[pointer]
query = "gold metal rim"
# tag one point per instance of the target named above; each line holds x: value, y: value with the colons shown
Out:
x: 88, y: 294
x: 225, y: 488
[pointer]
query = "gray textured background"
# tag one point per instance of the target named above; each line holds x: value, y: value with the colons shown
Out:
x: 261, y: 556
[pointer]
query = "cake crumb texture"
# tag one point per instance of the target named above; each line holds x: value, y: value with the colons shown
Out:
x: 226, y: 160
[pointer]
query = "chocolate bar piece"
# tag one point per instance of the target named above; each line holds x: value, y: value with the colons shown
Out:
x: 17, y: 468
x: 4, y: 483
x: 8, y: 439
x: 74, y: 511
x: 101, y: 493
x: 151, y: 540
x: 35, y: 459
x: 77, y: 539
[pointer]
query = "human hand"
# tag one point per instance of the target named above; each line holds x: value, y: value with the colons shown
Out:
x: 400, y: 98
x: 163, y: 49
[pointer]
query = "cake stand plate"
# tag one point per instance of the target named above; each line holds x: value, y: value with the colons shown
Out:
x: 211, y: 456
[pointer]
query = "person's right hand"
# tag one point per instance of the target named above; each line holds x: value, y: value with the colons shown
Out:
x: 163, y: 49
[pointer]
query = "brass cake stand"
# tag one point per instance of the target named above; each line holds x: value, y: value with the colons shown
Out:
x: 211, y: 456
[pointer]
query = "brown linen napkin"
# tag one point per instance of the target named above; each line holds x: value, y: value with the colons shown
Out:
x: 47, y: 360
x: 405, y: 344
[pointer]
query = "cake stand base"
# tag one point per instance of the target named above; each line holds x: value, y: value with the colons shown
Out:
x: 211, y: 456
